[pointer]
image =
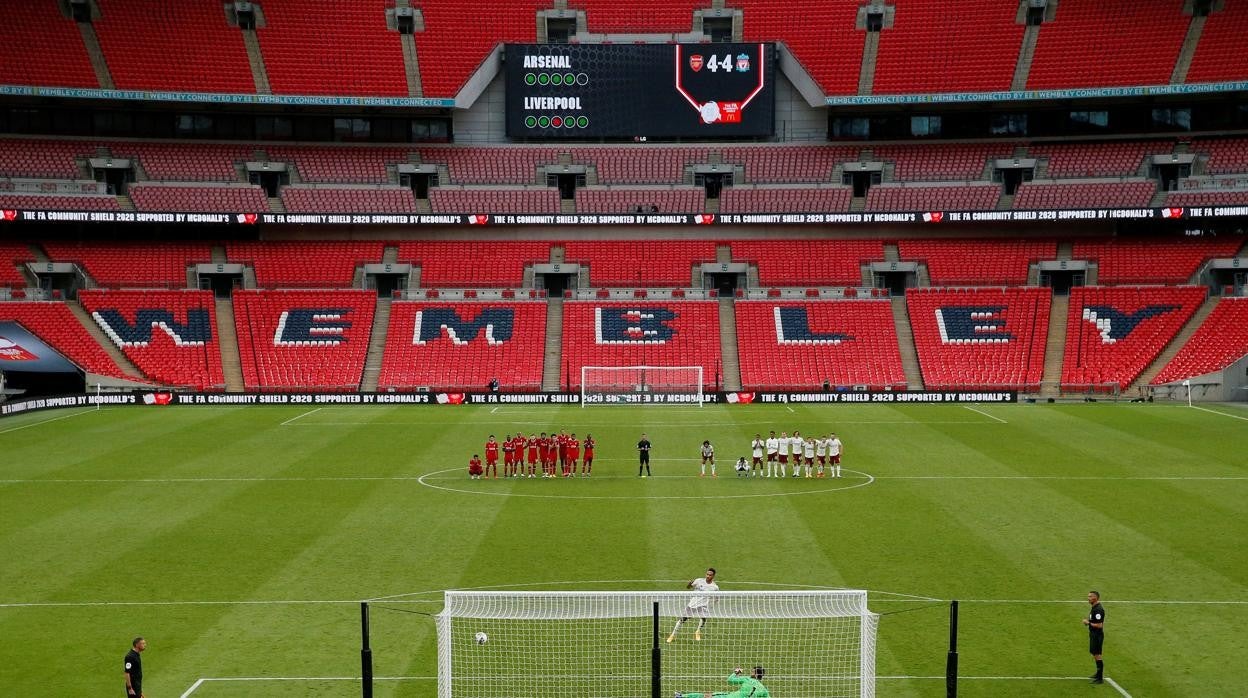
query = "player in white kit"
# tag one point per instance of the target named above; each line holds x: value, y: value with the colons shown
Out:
x: 773, y: 449
x: 834, y: 454
x: 698, y: 606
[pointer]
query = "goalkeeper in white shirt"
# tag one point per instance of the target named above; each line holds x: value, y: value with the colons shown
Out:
x: 698, y: 606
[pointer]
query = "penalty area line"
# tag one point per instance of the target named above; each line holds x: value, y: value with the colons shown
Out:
x: 989, y: 416
x: 292, y: 420
x: 225, y: 679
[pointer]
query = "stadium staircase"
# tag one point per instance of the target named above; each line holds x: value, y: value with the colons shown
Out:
x: 114, y: 352
x: 730, y: 361
x: 866, y: 74
x: 96, y: 54
x: 1026, y: 52
x: 411, y: 59
x: 1172, y: 349
x: 227, y: 338
x: 905, y: 342
x: 552, y: 367
x: 1190, y: 42
x: 376, y: 345
x: 259, y: 73
x: 1055, y: 346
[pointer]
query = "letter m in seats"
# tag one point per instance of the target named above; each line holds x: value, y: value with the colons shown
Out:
x: 431, y: 323
x: 196, y: 331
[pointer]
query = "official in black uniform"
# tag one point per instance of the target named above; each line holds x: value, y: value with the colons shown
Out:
x: 134, y: 668
x: 1096, y: 634
x: 643, y: 453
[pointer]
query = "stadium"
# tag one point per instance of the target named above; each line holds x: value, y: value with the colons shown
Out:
x: 276, y: 276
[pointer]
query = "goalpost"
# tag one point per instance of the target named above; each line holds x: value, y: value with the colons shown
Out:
x: 641, y: 385
x: 611, y: 644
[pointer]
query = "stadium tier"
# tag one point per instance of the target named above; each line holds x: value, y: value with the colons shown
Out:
x: 611, y: 17
x: 1085, y: 194
x: 789, y: 163
x: 808, y: 262
x: 948, y: 47
x: 185, y: 162
x: 800, y: 345
x: 11, y: 255
x: 293, y: 340
x: 206, y: 199
x: 641, y: 199
x: 980, y: 337
x: 56, y: 324
x: 1100, y: 43
x: 381, y: 199
x: 463, y: 346
x: 640, y: 263
x: 185, y: 46
x: 1002, y: 262
x: 640, y: 164
x: 315, y: 49
x: 941, y: 162
x: 341, y: 165
x: 305, y: 263
x: 1114, y: 333
x: 38, y: 30
x: 133, y: 265
x: 909, y: 197
x: 782, y: 199
x: 642, y: 333
x: 1206, y: 198
x: 1145, y: 261
x: 1117, y: 159
x: 1226, y: 155
x: 472, y: 263
x: 458, y: 37
x: 169, y: 335
x: 477, y: 201
x: 41, y: 159
x: 54, y: 202
x: 1221, y: 340
x: 1220, y: 55
x: 491, y: 165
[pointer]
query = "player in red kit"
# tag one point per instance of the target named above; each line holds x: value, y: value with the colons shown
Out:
x: 474, y: 467
x: 507, y: 455
x: 562, y: 443
x: 491, y: 458
x: 574, y: 454
x: 543, y: 452
x: 588, y: 464
x: 532, y: 444
x: 517, y: 453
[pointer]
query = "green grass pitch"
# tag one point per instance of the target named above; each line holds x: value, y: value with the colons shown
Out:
x: 239, y: 540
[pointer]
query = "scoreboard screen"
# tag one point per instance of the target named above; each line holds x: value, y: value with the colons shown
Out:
x: 587, y: 91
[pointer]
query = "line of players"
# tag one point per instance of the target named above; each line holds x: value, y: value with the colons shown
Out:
x: 557, y: 454
x: 807, y: 454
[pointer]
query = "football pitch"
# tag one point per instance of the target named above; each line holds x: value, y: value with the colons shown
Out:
x: 240, y: 540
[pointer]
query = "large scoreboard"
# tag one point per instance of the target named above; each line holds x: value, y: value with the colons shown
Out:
x: 588, y: 91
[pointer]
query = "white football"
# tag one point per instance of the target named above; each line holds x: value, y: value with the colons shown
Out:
x: 482, y: 638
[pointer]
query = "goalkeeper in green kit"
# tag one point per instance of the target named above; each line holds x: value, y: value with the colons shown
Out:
x: 746, y: 687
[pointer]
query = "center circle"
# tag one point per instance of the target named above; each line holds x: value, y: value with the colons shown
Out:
x: 865, y: 479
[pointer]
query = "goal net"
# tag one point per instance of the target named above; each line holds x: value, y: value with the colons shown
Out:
x: 812, y: 644
x: 641, y: 385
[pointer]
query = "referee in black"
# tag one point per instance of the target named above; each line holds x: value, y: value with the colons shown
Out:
x: 134, y: 668
x: 643, y: 453
x: 1096, y: 633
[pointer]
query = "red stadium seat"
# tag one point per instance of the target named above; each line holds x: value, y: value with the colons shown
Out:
x: 1221, y: 340
x: 641, y: 333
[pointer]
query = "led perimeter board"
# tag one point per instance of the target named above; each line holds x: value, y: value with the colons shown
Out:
x: 588, y: 91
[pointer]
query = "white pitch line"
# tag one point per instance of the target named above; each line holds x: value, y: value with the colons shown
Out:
x: 200, y: 682
x: 191, y: 690
x: 1205, y: 409
x: 1142, y: 478
x: 45, y: 421
x: 1121, y: 691
x: 292, y: 420
x: 790, y: 409
x: 494, y: 411
x: 1137, y: 602
x: 989, y: 416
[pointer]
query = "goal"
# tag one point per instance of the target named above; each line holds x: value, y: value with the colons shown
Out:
x: 641, y: 385
x: 612, y: 644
